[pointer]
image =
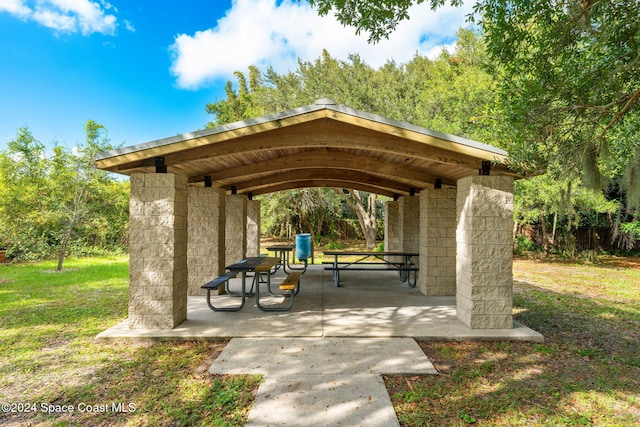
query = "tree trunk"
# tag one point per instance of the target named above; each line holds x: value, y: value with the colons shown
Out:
x: 555, y: 225
x: 63, y: 249
x: 545, y: 235
x: 366, y: 215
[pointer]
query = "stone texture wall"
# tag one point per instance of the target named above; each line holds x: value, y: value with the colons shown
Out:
x: 409, y: 212
x: 485, y: 252
x: 391, y: 227
x: 206, y: 247
x: 236, y: 228
x: 438, y: 242
x: 158, y: 251
x: 253, y: 228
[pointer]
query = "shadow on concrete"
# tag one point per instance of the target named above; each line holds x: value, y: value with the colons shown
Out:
x: 367, y: 304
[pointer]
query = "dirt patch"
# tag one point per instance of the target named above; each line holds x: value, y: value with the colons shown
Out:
x: 216, y: 348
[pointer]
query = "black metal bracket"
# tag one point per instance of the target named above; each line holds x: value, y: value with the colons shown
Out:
x: 486, y: 168
x: 438, y: 184
x: 234, y: 189
x: 207, y: 181
x: 160, y: 166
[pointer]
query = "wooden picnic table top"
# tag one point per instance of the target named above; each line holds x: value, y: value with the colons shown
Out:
x: 371, y: 253
x: 281, y: 247
x: 254, y: 263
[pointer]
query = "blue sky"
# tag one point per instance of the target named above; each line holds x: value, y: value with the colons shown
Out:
x: 146, y: 69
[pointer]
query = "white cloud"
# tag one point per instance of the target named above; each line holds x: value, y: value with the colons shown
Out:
x: 15, y: 7
x: 65, y: 16
x: 129, y: 26
x: 54, y: 20
x: 259, y: 32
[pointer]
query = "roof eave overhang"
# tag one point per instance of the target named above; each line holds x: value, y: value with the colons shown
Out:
x: 252, y: 137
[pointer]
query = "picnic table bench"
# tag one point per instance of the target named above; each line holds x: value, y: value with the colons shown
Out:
x: 259, y: 265
x: 371, y: 260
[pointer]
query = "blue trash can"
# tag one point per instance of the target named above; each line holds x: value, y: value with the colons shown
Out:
x: 303, y: 246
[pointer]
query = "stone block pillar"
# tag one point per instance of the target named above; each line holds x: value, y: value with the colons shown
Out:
x: 158, y: 251
x: 236, y: 228
x: 206, y: 247
x: 391, y: 227
x: 253, y: 228
x: 484, y: 296
x: 409, y: 212
x: 438, y: 242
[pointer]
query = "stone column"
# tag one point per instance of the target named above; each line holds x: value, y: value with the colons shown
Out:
x: 484, y: 258
x: 253, y: 228
x: 158, y: 251
x: 438, y: 242
x: 391, y: 227
x: 206, y: 247
x: 409, y: 212
x: 236, y: 228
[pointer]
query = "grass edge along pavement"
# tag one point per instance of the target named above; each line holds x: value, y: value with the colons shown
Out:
x: 53, y: 373
x: 586, y: 373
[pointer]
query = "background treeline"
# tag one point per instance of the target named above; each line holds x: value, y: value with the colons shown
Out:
x: 57, y: 203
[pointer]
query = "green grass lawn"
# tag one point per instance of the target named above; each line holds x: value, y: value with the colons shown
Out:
x: 50, y: 364
x: 586, y: 373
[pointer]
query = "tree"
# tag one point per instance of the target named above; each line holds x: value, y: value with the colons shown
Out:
x: 75, y: 184
x: 379, y: 18
x: 23, y: 187
x: 569, y: 72
x: 558, y: 204
x: 237, y: 106
x: 50, y: 203
x: 299, y: 210
x: 568, y: 83
x: 364, y: 205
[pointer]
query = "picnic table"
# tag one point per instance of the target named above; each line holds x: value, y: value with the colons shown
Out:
x: 370, y: 260
x: 283, y: 252
x: 259, y: 266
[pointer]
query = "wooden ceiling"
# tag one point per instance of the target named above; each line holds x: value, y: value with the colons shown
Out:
x: 321, y: 145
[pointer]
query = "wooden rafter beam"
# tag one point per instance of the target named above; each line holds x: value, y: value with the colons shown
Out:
x: 315, y: 183
x: 321, y: 158
x: 342, y: 175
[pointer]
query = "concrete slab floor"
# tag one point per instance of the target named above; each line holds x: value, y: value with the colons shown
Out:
x: 367, y: 304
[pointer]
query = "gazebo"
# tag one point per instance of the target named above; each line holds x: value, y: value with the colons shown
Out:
x: 192, y: 207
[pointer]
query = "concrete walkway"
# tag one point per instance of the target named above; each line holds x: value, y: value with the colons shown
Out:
x: 322, y: 381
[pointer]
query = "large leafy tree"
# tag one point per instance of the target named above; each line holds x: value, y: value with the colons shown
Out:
x: 568, y: 74
x: 378, y: 18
